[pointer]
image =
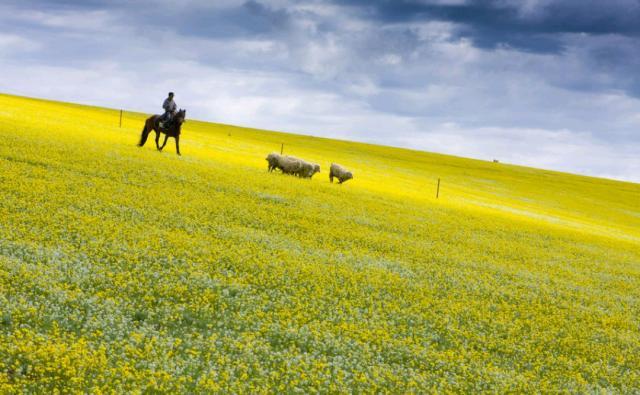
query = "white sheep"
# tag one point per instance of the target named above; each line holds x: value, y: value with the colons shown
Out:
x: 272, y: 160
x: 307, y: 170
x: 340, y: 173
x: 291, y: 165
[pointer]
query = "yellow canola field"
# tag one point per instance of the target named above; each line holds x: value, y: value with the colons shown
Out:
x: 126, y: 270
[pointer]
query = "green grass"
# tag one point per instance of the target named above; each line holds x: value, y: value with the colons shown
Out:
x: 123, y: 269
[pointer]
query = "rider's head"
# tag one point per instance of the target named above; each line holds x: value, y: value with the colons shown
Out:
x: 170, y: 94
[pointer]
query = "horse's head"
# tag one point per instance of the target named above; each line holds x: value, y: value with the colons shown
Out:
x: 180, y: 116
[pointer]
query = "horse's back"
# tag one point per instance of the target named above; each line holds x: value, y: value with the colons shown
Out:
x: 152, y: 121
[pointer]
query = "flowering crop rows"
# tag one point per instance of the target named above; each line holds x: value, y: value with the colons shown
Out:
x: 127, y: 270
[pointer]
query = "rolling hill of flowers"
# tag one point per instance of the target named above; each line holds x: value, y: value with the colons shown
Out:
x: 123, y: 269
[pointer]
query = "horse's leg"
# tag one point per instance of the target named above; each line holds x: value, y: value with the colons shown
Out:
x: 144, y: 134
x: 178, y: 144
x: 166, y: 137
x: 157, y: 140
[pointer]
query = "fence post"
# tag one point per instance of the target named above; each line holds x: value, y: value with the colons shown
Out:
x: 438, y: 189
x: 281, y: 148
x: 120, y: 118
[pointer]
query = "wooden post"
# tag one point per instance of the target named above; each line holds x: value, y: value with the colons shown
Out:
x: 438, y: 190
x: 120, y: 118
x: 281, y: 148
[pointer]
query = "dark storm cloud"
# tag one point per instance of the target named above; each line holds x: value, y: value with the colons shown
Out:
x: 248, y: 19
x: 203, y: 19
x: 607, y: 33
x: 555, y: 16
x: 533, y: 26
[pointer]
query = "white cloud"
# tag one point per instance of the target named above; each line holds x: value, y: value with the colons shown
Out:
x: 14, y: 43
x: 562, y: 150
x: 87, y: 21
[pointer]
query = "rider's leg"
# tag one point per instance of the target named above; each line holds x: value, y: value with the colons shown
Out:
x: 163, y: 118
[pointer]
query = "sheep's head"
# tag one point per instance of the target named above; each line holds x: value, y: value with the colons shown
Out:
x: 316, y: 169
x: 348, y: 175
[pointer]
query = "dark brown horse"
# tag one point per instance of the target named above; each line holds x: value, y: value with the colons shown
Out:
x: 172, y: 130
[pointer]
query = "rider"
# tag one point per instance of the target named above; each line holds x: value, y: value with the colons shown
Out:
x: 170, y: 108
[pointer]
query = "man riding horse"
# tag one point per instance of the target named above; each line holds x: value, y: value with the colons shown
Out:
x: 170, y: 108
x: 169, y: 123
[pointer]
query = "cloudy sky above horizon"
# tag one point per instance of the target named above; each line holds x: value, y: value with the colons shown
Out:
x: 544, y: 83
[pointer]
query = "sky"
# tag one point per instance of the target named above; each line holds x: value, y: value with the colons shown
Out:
x: 553, y: 84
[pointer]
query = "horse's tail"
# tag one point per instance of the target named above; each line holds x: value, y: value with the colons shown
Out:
x: 144, y: 135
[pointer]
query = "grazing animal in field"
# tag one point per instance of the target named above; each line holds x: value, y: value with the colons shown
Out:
x: 340, y: 173
x: 307, y: 170
x: 287, y: 164
x: 272, y: 161
x: 291, y: 165
x: 316, y: 169
x: 172, y: 130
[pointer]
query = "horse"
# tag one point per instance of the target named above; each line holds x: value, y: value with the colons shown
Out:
x: 172, y: 130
